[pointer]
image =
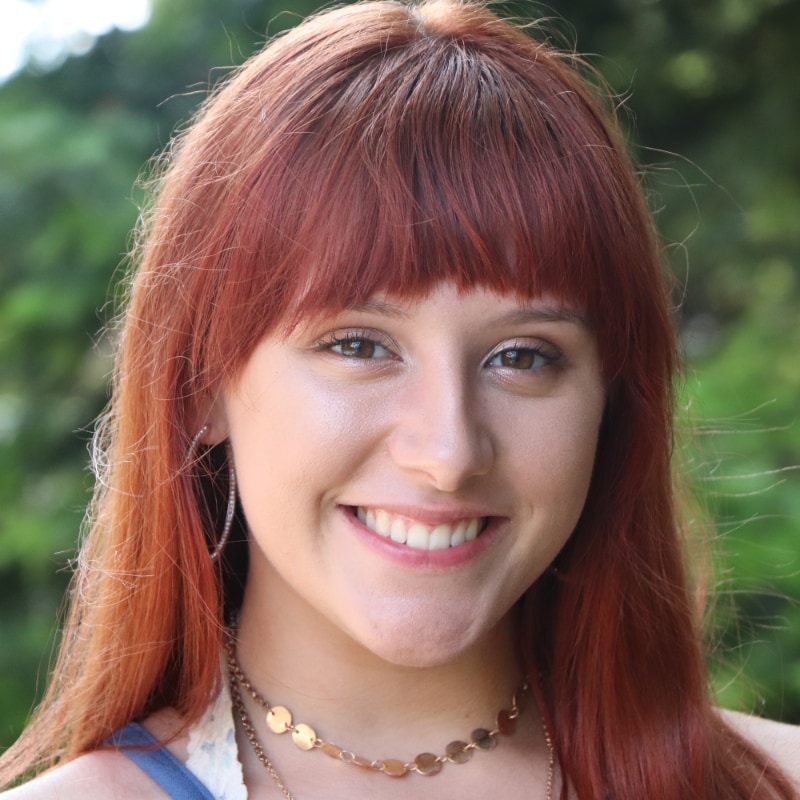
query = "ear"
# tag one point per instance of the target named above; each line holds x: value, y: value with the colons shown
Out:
x: 210, y: 412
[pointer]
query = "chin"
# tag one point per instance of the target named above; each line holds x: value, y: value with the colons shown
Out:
x: 419, y: 647
x: 415, y: 658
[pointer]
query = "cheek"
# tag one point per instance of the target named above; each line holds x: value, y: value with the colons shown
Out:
x: 554, y: 457
x: 296, y: 438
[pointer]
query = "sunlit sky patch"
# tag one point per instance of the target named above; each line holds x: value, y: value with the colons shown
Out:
x: 47, y: 32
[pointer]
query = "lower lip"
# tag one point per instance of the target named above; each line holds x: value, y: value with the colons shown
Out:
x: 434, y: 560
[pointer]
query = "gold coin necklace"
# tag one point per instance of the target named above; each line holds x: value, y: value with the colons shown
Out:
x: 279, y: 721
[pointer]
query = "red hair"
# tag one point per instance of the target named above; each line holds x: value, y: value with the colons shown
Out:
x: 389, y: 147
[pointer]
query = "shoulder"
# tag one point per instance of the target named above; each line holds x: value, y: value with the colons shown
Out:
x: 105, y: 774
x: 779, y: 741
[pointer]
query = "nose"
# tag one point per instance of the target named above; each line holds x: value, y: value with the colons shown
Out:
x: 440, y: 433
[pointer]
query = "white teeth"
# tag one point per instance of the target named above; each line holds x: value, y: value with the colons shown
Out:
x: 398, y: 531
x: 458, y: 536
x: 383, y: 523
x: 418, y: 535
x: 440, y: 537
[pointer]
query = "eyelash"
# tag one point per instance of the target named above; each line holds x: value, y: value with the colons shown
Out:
x: 548, y: 354
x: 374, y: 340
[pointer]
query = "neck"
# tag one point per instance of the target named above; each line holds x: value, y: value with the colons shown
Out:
x: 299, y: 659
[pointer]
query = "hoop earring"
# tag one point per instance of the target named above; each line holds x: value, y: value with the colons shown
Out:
x: 230, y: 510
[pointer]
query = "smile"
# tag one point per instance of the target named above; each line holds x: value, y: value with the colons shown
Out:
x: 418, y: 535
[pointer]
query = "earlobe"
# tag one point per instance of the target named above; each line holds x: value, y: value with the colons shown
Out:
x: 210, y: 421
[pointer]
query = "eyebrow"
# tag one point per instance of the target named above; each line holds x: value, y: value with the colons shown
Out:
x: 375, y: 305
x: 543, y: 313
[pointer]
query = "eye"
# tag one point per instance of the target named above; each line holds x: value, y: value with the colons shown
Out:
x: 356, y: 344
x: 522, y: 357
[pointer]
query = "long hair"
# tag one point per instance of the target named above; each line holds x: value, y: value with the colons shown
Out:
x: 388, y: 147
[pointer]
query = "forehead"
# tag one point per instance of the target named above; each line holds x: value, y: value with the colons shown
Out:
x: 368, y: 200
x: 483, y: 183
x: 539, y: 309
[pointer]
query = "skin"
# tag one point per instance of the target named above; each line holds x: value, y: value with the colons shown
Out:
x: 448, y: 408
x: 431, y: 426
x: 110, y: 776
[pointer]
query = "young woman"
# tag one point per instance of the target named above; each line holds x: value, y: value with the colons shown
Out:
x: 385, y: 503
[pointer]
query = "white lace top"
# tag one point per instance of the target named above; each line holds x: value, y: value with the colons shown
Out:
x: 213, y: 754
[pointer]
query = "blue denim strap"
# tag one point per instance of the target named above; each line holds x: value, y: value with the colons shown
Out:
x: 172, y: 776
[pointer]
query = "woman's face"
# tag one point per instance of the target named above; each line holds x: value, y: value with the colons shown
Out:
x: 408, y: 469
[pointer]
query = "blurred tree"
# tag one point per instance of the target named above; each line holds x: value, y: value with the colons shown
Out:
x: 714, y: 82
x: 71, y: 145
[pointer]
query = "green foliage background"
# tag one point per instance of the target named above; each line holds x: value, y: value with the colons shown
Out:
x: 715, y: 82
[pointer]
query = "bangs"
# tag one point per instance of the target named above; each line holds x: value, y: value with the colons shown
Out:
x: 437, y: 158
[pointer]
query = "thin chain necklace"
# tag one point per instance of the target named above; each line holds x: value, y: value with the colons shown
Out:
x: 279, y: 720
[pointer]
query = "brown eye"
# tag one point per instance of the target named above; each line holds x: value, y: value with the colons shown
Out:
x: 357, y: 348
x: 523, y: 358
x: 519, y: 359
